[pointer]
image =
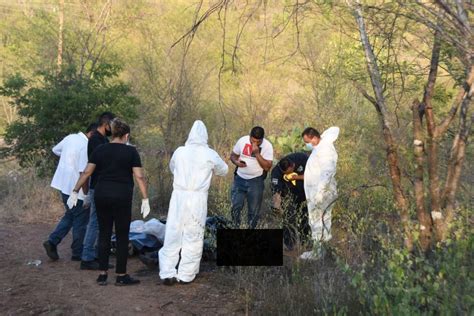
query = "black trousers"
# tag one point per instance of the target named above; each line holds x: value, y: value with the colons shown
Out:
x: 112, y: 211
x: 295, y: 223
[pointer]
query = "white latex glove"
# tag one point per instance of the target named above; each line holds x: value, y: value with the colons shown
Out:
x: 145, y: 208
x: 72, y: 201
x: 87, y: 202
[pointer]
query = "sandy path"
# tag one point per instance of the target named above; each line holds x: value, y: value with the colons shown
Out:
x: 61, y: 288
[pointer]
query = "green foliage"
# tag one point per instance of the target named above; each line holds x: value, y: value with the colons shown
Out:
x: 59, y: 104
x: 287, y: 144
x: 397, y: 282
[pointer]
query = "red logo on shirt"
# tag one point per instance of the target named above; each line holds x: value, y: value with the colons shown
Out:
x: 247, y: 150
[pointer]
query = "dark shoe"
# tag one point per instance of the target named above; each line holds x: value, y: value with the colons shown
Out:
x: 51, y: 250
x: 169, y: 281
x: 76, y: 258
x: 102, y: 279
x: 126, y: 280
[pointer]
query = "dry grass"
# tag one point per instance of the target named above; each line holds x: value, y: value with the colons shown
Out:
x: 27, y: 198
x: 297, y: 288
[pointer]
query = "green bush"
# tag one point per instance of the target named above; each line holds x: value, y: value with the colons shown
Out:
x: 397, y: 282
x: 51, y: 106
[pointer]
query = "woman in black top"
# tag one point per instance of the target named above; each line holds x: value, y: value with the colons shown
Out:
x: 115, y: 164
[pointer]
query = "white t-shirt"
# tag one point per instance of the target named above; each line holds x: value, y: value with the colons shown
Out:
x: 243, y: 148
x: 72, y: 151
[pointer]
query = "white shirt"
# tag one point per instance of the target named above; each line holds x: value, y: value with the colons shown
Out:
x: 72, y: 151
x: 243, y: 148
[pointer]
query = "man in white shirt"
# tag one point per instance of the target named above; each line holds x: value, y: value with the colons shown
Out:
x: 253, y: 156
x: 72, y: 151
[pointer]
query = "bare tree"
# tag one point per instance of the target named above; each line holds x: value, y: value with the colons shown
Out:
x: 450, y: 26
x: 423, y: 215
x: 380, y: 106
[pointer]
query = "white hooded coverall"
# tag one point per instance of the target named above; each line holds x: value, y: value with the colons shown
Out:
x: 192, y: 166
x: 320, y: 185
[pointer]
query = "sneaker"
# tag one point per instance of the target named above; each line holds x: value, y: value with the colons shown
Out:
x: 102, y: 279
x: 51, y: 250
x: 169, y: 281
x: 75, y: 258
x: 123, y: 280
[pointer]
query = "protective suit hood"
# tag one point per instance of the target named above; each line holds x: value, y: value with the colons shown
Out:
x: 330, y: 135
x: 198, y: 134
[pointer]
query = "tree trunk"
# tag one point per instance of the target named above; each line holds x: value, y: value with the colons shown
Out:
x: 60, y: 35
x: 392, y: 155
x: 458, y: 153
x: 423, y: 216
x: 434, y: 184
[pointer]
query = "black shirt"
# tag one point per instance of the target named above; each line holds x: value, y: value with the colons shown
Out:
x: 284, y: 187
x: 114, y: 163
x: 95, y: 141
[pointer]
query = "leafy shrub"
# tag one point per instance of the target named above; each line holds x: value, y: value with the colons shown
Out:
x: 59, y: 104
x: 397, y: 282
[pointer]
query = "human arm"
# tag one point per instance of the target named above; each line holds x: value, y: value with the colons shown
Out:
x: 87, y: 199
x: 84, y: 177
x: 296, y: 177
x: 72, y: 200
x: 220, y: 167
x: 276, y: 201
x: 264, y: 163
x: 277, y: 187
x: 83, y: 161
x: 235, y: 159
x: 172, y: 162
x: 139, y: 176
x: 58, y: 148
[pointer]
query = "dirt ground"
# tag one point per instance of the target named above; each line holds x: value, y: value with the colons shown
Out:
x: 61, y: 288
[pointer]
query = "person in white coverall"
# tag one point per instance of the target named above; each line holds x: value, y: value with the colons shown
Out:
x: 192, y: 166
x: 320, y: 184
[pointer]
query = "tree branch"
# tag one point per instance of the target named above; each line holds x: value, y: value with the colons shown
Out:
x: 444, y: 125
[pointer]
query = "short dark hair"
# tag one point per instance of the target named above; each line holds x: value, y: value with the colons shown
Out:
x: 92, y: 127
x: 309, y: 131
x: 119, y: 128
x: 105, y: 118
x: 257, y: 132
x: 285, y: 163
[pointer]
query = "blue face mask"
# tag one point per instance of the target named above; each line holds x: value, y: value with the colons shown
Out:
x: 309, y: 146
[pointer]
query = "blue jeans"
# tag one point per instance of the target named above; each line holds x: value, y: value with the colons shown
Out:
x: 75, y: 218
x: 90, y: 251
x: 252, y: 190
